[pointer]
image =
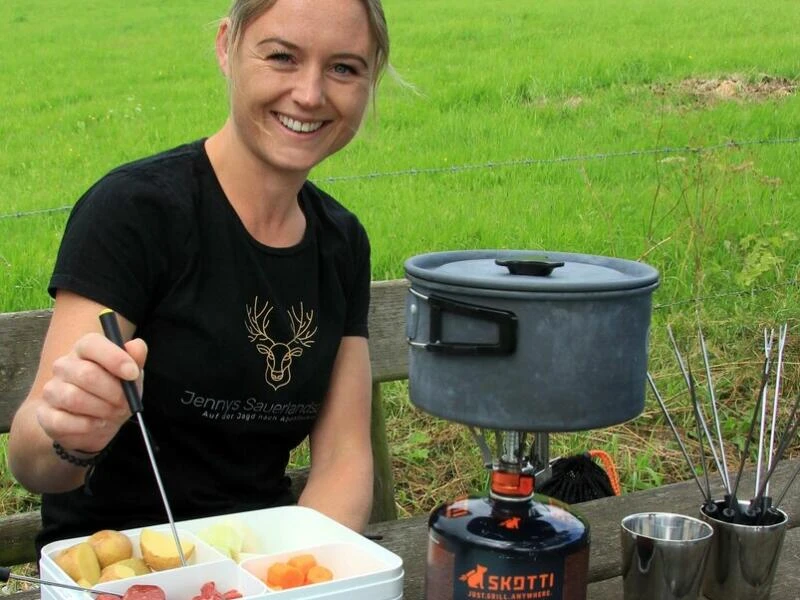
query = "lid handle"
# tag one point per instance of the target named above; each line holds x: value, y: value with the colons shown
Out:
x: 530, y: 266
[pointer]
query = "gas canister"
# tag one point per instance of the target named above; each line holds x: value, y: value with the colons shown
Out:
x: 496, y: 548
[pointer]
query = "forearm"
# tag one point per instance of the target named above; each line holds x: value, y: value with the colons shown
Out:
x: 342, y: 490
x: 34, y: 463
x: 76, y: 398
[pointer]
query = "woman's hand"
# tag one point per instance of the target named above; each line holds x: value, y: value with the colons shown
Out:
x: 76, y: 398
x: 83, y: 405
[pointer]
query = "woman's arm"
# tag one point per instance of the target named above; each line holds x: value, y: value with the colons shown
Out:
x: 76, y: 398
x: 340, y: 482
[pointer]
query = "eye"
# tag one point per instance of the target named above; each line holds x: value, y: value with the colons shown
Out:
x: 344, y: 69
x: 280, y: 57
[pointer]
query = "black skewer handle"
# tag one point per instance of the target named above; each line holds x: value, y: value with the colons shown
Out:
x: 5, y: 573
x: 108, y: 320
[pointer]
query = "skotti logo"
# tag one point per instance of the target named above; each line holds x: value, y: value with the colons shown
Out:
x: 483, y: 584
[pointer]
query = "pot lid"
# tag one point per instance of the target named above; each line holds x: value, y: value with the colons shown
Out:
x: 530, y: 271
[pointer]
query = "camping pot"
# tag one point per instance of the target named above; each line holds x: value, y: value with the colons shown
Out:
x: 530, y: 341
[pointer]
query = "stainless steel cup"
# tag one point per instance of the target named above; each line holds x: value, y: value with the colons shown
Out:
x: 743, y: 558
x: 663, y: 556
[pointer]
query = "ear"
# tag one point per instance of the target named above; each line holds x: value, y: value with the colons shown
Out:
x: 222, y: 46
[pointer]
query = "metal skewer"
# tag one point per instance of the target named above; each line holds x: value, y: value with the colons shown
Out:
x: 782, y: 332
x: 763, y: 424
x: 110, y: 325
x: 677, y: 437
x: 699, y: 419
x: 746, y: 449
x: 6, y: 574
x: 701, y: 422
x: 726, y: 478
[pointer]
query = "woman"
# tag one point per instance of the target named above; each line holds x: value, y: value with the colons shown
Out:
x: 242, y: 291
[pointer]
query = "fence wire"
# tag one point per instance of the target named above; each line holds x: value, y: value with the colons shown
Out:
x: 521, y: 162
x: 748, y: 292
x: 526, y: 162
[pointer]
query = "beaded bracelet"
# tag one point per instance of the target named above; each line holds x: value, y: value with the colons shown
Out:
x: 75, y: 460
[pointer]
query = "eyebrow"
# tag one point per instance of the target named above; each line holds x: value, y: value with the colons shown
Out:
x: 296, y: 48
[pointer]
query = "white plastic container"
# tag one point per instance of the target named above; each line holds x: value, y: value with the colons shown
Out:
x: 362, y: 569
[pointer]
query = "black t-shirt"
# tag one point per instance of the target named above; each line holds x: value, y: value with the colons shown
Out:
x: 241, y: 337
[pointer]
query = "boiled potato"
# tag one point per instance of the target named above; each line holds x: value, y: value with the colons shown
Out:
x: 160, y: 552
x: 137, y: 564
x: 110, y: 547
x: 116, y: 571
x: 80, y: 563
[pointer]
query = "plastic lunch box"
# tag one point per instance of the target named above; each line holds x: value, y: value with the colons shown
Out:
x: 363, y: 570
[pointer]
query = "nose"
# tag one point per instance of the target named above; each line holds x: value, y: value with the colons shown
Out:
x: 309, y: 90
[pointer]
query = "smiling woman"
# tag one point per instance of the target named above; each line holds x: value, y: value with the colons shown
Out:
x: 233, y: 277
x: 300, y: 77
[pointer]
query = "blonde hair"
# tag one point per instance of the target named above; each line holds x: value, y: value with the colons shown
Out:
x: 243, y: 12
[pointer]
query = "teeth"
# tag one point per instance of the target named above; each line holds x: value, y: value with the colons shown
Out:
x: 299, y: 126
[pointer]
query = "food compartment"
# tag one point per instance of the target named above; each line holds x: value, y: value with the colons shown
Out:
x: 70, y: 560
x: 287, y: 528
x: 352, y: 567
x: 186, y: 583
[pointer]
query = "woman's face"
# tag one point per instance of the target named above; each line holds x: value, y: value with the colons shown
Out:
x: 300, y: 80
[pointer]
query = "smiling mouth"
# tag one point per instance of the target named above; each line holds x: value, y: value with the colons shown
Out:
x: 299, y: 126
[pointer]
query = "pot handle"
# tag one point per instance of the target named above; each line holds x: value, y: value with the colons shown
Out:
x: 541, y: 267
x: 506, y: 325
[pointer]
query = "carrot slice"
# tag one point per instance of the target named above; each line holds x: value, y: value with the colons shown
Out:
x: 303, y: 562
x: 285, y: 576
x: 318, y: 574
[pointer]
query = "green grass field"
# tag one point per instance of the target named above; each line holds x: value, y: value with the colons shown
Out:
x: 660, y: 130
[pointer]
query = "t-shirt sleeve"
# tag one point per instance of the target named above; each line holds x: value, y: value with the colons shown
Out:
x: 358, y: 306
x: 114, y: 248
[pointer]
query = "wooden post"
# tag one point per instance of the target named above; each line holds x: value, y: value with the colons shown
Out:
x: 383, y: 505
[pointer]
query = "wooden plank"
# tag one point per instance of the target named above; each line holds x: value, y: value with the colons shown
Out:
x: 32, y: 595
x: 16, y: 538
x: 408, y: 538
x: 388, y: 346
x: 22, y: 335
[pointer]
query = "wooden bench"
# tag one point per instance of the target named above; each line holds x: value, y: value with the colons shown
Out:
x: 21, y: 337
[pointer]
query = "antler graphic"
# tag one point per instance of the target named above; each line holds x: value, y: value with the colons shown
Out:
x: 301, y: 327
x: 258, y: 321
x: 279, y: 355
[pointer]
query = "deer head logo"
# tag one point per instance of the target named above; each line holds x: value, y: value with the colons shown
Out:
x: 279, y: 354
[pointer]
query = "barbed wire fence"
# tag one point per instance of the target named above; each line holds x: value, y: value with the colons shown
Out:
x: 528, y: 162
x: 521, y: 162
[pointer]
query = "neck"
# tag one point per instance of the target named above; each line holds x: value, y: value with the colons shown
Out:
x: 265, y: 199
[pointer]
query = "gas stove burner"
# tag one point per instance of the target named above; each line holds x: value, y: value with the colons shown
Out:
x: 513, y: 458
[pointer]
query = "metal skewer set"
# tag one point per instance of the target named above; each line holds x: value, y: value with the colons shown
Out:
x: 773, y: 440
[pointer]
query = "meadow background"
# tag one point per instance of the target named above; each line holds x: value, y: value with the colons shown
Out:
x: 658, y: 130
